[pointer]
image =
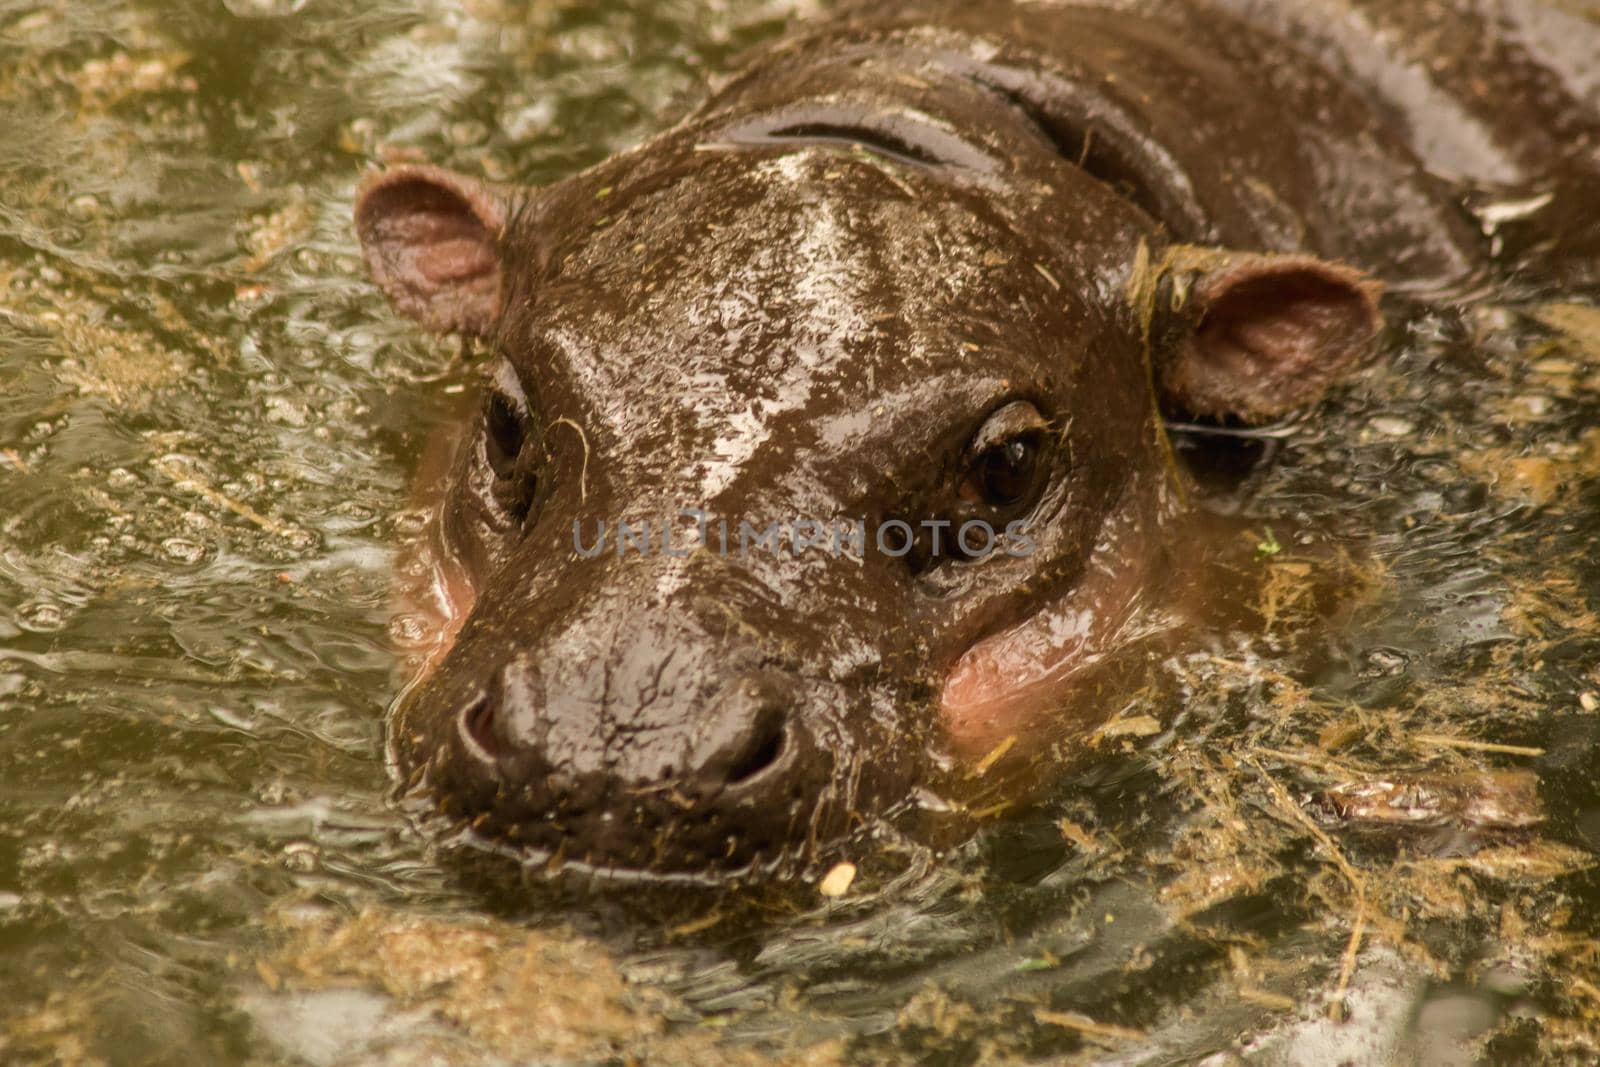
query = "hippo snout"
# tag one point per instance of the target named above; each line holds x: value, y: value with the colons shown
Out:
x: 644, y: 758
x: 744, y: 735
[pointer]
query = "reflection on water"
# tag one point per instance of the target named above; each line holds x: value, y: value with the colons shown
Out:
x: 207, y: 419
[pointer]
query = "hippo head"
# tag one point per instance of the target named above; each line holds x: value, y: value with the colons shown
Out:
x: 797, y: 361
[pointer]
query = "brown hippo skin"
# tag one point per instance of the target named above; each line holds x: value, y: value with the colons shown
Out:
x: 929, y: 262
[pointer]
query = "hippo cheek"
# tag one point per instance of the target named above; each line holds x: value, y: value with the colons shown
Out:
x: 1042, y: 677
x: 1005, y: 685
x: 454, y: 597
x: 435, y: 602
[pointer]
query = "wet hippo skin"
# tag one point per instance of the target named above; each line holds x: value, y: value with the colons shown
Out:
x: 934, y: 263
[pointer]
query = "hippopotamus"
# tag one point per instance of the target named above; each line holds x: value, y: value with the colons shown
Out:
x: 821, y: 468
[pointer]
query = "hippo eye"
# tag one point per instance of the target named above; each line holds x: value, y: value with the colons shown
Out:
x: 1005, y: 473
x: 506, y: 435
x: 1006, y: 464
x: 505, y: 444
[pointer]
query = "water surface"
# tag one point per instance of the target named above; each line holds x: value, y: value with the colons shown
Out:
x: 208, y: 418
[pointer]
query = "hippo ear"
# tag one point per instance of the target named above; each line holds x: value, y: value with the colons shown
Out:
x: 1255, y: 336
x: 431, y: 238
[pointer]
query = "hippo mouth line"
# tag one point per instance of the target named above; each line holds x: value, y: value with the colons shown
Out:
x: 549, y: 865
x: 796, y: 855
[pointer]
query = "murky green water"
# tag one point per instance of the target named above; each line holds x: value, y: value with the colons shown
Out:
x: 207, y: 422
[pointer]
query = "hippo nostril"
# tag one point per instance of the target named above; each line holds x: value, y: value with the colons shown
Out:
x: 478, y: 726
x: 762, y: 750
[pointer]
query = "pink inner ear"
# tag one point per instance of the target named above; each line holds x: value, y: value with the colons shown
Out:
x: 1284, y: 325
x: 431, y: 240
x: 444, y: 249
x: 1274, y: 334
